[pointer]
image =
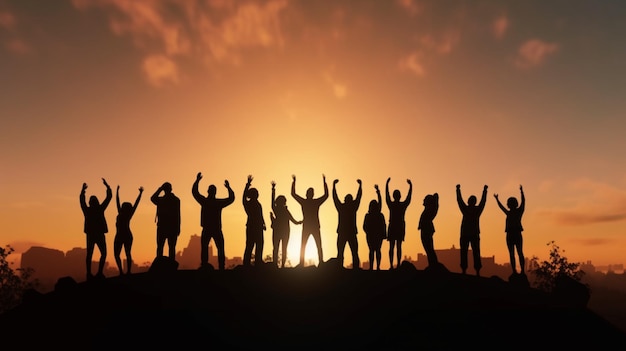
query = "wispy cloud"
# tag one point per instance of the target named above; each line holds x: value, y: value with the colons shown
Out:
x: 595, y: 203
x: 429, y: 46
x: 340, y: 90
x: 7, y: 20
x: 413, y: 63
x: 13, y: 42
x: 214, y: 31
x: 595, y: 241
x: 410, y: 6
x: 500, y: 26
x: 534, y: 52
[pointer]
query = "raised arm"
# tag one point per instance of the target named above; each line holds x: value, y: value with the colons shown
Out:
x: 483, y: 198
x: 109, y: 196
x: 231, y: 194
x: 500, y: 204
x: 273, y: 195
x: 325, y: 196
x: 435, y: 203
x: 138, y: 199
x: 293, y: 190
x: 81, y: 198
x: 117, y: 198
x: 459, y: 197
x: 155, y: 197
x: 380, y: 201
x: 359, y: 193
x: 245, y: 190
x: 522, y: 204
x: 407, y: 201
x: 335, y: 197
x: 387, y: 197
x: 194, y: 188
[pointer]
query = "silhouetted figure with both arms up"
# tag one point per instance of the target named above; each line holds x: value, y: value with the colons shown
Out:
x: 280, y: 216
x: 513, y: 228
x: 211, y: 220
x: 255, y: 226
x: 397, y: 225
x: 95, y: 227
x: 375, y: 228
x: 427, y: 227
x: 470, y: 227
x: 311, y: 220
x: 168, y: 219
x: 346, y: 226
x: 124, y: 236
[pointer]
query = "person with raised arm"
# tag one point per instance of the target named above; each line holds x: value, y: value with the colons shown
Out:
x: 168, y: 219
x: 211, y: 220
x: 397, y: 225
x: 427, y: 228
x: 513, y: 228
x: 124, y: 236
x: 280, y: 216
x: 311, y: 220
x: 95, y: 227
x: 255, y: 225
x: 375, y: 228
x: 346, y: 225
x: 470, y: 227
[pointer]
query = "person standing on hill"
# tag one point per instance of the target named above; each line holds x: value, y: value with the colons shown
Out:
x: 311, y: 221
x: 211, y: 220
x: 397, y: 225
x: 513, y: 228
x: 346, y: 226
x: 427, y: 228
x: 470, y: 227
x: 168, y: 219
x: 95, y: 227
x: 123, y: 235
x: 375, y: 228
x: 280, y: 216
x: 255, y: 226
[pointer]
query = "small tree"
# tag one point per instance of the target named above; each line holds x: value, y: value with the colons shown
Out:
x: 548, y: 272
x: 13, y: 282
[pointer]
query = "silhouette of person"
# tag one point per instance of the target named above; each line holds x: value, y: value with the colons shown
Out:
x: 397, y: 226
x: 470, y: 227
x: 375, y: 228
x: 513, y: 228
x: 346, y: 225
x: 211, y: 220
x: 95, y: 227
x: 280, y: 216
x: 427, y: 228
x: 311, y: 221
x: 168, y: 219
x: 254, y: 226
x: 124, y: 236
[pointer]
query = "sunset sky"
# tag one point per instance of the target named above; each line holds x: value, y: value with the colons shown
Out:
x: 501, y: 93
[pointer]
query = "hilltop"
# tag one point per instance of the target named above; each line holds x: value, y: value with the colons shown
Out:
x: 304, y: 308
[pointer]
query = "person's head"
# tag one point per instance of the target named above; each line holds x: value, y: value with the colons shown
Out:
x: 348, y: 199
x: 309, y: 193
x: 396, y: 195
x: 428, y: 200
x: 253, y: 194
x: 280, y: 201
x: 512, y: 203
x: 93, y: 201
x: 471, y: 200
x: 212, y: 190
x: 374, y: 206
x: 167, y: 187
x: 126, y: 207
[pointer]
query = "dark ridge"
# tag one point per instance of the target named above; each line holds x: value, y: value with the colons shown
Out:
x: 304, y: 308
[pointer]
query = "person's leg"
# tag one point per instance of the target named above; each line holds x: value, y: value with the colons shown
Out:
x: 354, y: 247
x: 285, y: 245
x: 258, y: 255
x: 520, y: 254
x: 103, y: 253
x: 476, y: 250
x: 370, y: 246
x: 510, y: 245
x: 392, y: 244
x: 341, y: 247
x: 171, y: 242
x: 317, y: 236
x: 129, y: 259
x: 464, y: 244
x: 305, y: 237
x: 205, y: 239
x: 275, y: 248
x: 117, y: 250
x: 247, y: 253
x: 218, y: 238
x: 399, y: 253
x: 160, y: 243
x: 88, y: 258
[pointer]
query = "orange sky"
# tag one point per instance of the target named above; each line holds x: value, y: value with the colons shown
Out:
x: 501, y: 93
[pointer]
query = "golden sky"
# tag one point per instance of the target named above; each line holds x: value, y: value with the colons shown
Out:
x: 501, y: 93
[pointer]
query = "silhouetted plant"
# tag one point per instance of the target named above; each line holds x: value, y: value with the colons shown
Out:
x: 548, y: 272
x: 13, y: 282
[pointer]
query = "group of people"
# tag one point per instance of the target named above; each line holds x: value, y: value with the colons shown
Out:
x: 375, y: 226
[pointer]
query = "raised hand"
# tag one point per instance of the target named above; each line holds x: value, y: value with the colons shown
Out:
x: 409, y: 181
x: 458, y: 186
x: 199, y: 176
x: 226, y: 183
x: 293, y: 176
x: 496, y: 196
x: 376, y: 187
x: 141, y: 189
x: 359, y: 181
x: 118, y: 188
x: 105, y: 183
x: 84, y: 186
x: 485, y: 188
x: 250, y: 179
x: 388, y: 180
x: 335, y: 181
x: 273, y: 184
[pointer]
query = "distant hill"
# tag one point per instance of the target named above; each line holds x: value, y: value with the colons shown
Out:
x: 324, y: 307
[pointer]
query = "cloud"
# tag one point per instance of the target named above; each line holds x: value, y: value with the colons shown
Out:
x: 17, y: 46
x: 534, y: 52
x: 594, y: 203
x: 500, y: 26
x: 7, y: 20
x: 412, y: 63
x: 160, y: 70
x: 215, y: 31
x: 595, y: 241
x: 340, y: 90
x: 442, y: 45
x: 410, y: 6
